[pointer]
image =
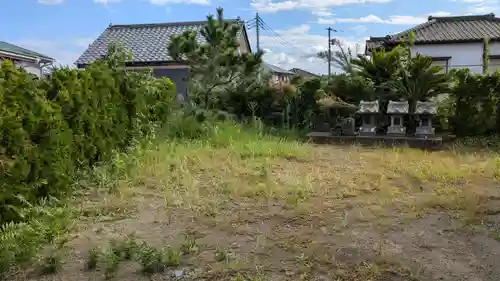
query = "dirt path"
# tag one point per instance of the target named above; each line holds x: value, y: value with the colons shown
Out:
x: 336, y: 223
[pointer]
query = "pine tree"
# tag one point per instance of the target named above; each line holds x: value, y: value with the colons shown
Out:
x: 216, y: 65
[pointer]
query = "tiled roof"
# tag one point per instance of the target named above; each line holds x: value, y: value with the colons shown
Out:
x: 397, y: 107
x: 146, y: 42
x: 276, y: 69
x: 368, y: 106
x: 446, y: 29
x: 10, y: 48
x: 302, y: 72
x: 426, y: 108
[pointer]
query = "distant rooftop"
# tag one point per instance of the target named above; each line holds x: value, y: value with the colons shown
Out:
x: 276, y: 69
x: 455, y: 29
x: 147, y: 42
x: 16, y: 50
x: 303, y: 72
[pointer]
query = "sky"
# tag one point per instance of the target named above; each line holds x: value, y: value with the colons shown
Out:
x: 294, y: 30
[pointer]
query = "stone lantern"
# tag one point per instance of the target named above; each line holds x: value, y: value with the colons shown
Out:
x: 397, y: 110
x: 368, y: 110
x: 424, y: 111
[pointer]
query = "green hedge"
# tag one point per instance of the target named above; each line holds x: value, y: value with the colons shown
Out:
x: 475, y: 101
x: 51, y: 127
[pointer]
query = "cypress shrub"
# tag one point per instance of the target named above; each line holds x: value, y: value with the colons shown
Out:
x: 51, y: 127
x: 35, y: 143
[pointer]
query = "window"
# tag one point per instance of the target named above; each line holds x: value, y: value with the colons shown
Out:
x: 442, y: 62
x: 494, y: 64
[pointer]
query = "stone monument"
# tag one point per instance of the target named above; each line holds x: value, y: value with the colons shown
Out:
x: 368, y: 110
x: 397, y: 110
x: 424, y: 112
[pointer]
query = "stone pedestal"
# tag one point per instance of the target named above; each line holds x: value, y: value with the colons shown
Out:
x: 368, y: 128
x: 425, y: 128
x: 396, y: 127
x: 425, y: 111
x: 348, y: 126
x: 397, y: 109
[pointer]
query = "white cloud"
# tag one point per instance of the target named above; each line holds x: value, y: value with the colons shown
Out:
x: 482, y: 6
x: 271, y: 6
x: 395, y: 19
x: 106, y: 2
x: 322, y: 12
x: 296, y: 47
x: 65, y: 51
x: 165, y: 2
x: 50, y: 2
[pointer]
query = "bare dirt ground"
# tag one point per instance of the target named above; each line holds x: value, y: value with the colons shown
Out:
x: 288, y: 211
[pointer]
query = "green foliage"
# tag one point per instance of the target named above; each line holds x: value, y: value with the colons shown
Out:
x: 351, y: 88
x: 92, y: 259
x: 189, y: 246
x: 111, y: 263
x: 51, y: 264
x: 222, y: 254
x: 77, y: 118
x: 21, y: 242
x: 486, y: 55
x: 171, y: 257
x: 151, y: 259
x: 216, y: 67
x: 476, y: 99
x: 35, y: 143
x: 419, y: 81
x: 379, y: 68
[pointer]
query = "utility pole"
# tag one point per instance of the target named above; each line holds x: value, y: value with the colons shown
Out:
x: 257, y: 26
x: 329, y: 51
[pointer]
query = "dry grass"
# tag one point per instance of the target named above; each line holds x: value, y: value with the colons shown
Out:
x: 284, y: 210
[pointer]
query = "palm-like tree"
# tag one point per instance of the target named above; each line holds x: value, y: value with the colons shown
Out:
x: 380, y: 67
x: 419, y: 80
x: 340, y: 58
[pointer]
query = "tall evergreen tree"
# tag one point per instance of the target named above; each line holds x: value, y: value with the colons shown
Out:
x: 215, y: 65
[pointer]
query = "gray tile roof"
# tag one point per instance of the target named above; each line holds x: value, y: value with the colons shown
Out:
x: 303, y: 72
x: 446, y: 29
x: 147, y: 42
x: 276, y: 69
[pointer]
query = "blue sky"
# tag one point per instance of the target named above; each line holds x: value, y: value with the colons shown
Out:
x: 64, y: 28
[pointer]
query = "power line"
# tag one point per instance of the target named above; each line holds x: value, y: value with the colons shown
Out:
x: 266, y: 27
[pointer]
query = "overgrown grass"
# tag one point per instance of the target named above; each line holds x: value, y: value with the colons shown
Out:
x: 226, y: 174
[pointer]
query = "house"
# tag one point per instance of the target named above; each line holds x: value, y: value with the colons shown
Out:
x: 279, y: 76
x: 303, y: 73
x: 452, y: 42
x: 30, y: 61
x: 148, y: 44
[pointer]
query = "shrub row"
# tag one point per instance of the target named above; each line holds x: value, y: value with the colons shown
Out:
x: 52, y: 127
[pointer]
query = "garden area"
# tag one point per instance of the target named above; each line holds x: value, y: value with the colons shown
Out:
x: 105, y: 177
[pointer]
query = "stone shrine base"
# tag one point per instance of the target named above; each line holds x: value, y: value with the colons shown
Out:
x: 432, y: 142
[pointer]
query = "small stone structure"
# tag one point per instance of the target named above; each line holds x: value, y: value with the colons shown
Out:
x: 368, y: 110
x: 348, y: 126
x: 425, y: 111
x: 397, y: 109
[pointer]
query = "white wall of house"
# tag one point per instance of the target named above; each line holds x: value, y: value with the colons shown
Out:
x: 463, y: 55
x: 243, y: 44
x: 30, y: 67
